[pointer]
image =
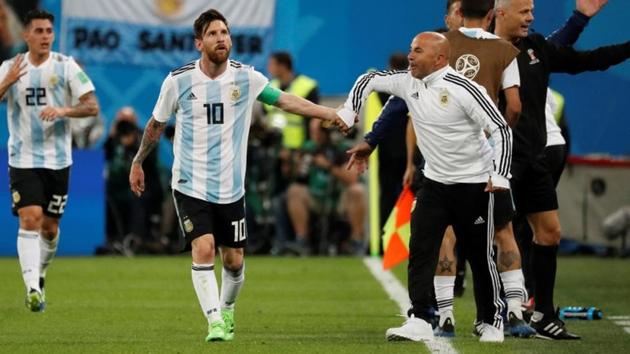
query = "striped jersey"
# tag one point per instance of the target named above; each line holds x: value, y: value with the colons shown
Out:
x: 212, y: 120
x: 450, y: 115
x: 57, y: 82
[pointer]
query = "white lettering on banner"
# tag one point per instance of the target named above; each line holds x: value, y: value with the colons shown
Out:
x: 159, y: 32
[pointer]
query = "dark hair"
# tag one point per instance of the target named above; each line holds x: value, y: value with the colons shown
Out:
x: 124, y: 128
x: 38, y: 15
x: 450, y: 3
x: 398, y: 61
x: 476, y: 8
x: 202, y: 22
x: 284, y: 59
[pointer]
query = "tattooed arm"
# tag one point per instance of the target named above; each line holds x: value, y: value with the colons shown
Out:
x: 87, y: 107
x: 150, y: 139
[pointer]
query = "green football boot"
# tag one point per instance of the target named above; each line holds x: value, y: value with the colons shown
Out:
x: 216, y: 332
x: 228, y: 319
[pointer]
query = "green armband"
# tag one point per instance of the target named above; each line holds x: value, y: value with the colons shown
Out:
x: 269, y: 95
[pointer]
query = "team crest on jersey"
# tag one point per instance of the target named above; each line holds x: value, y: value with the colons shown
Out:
x: 54, y: 80
x: 444, y: 98
x: 16, y: 197
x: 235, y: 93
x: 188, y: 225
x: 532, y: 56
x: 468, y: 65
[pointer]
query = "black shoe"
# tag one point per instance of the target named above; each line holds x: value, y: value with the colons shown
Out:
x: 445, y: 330
x: 552, y: 328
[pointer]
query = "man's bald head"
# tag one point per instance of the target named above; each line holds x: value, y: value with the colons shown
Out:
x: 430, y: 51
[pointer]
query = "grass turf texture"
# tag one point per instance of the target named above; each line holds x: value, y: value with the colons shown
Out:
x: 288, y: 305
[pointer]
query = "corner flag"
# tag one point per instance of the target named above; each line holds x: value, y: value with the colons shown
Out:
x: 397, y: 231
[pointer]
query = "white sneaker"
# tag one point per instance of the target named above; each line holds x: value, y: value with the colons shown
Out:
x: 414, y: 329
x: 490, y: 334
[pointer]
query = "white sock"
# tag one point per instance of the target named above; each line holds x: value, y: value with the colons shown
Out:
x: 444, y: 286
x: 205, y: 284
x: 48, y: 249
x: 231, y: 284
x: 515, y: 292
x: 28, y: 254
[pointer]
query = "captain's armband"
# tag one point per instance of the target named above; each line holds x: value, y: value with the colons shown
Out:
x: 269, y: 95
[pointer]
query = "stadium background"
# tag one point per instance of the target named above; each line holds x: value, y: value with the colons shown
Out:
x: 334, y: 42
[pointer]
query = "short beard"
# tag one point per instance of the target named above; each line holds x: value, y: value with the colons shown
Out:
x: 214, y: 58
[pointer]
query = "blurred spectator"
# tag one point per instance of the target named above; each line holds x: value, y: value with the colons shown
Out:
x: 11, y: 42
x: 325, y: 190
x: 294, y: 127
x: 129, y: 219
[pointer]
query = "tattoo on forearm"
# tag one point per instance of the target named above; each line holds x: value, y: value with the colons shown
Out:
x: 508, y: 260
x: 150, y: 139
x: 445, y: 265
x: 87, y: 107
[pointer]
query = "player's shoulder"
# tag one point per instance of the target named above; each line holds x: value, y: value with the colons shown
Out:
x: 236, y: 65
x: 186, y: 68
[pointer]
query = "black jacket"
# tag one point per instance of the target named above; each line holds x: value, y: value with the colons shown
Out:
x: 537, y: 60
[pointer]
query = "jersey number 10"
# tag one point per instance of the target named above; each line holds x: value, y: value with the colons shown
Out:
x: 214, y: 112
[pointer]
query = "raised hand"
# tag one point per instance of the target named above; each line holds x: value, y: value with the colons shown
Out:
x: 17, y: 70
x: 590, y: 8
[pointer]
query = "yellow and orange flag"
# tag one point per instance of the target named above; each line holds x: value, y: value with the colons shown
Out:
x: 397, y: 231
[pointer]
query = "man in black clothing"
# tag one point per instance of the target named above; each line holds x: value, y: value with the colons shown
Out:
x: 532, y: 182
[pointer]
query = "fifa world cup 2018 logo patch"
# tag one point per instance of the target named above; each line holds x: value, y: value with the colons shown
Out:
x: 532, y: 56
x: 468, y: 65
x: 188, y: 226
x: 235, y: 93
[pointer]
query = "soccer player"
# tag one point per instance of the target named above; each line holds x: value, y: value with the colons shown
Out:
x: 532, y: 183
x: 40, y: 86
x: 212, y: 100
x: 450, y: 115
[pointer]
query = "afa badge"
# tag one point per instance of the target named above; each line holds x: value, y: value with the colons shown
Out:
x: 235, y: 93
x: 16, y: 197
x: 444, y: 98
x: 54, y: 80
x: 188, y: 226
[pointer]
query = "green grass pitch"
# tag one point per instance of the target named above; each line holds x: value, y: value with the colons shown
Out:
x: 288, y: 305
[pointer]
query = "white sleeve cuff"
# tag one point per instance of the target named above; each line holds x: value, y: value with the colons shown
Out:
x: 347, y: 116
x: 500, y: 181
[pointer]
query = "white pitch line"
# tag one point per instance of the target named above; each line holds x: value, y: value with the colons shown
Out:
x: 627, y: 329
x: 618, y: 317
x: 622, y: 323
x: 399, y: 294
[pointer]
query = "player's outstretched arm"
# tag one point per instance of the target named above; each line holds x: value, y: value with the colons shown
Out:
x: 150, y: 139
x: 298, y: 105
x: 87, y: 107
x: 14, y: 73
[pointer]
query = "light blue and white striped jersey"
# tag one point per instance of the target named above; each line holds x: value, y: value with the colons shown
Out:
x: 212, y: 126
x: 57, y: 82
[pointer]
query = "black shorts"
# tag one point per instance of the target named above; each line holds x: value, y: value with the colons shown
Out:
x: 39, y: 186
x: 226, y: 222
x: 503, y: 208
x: 533, y: 186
